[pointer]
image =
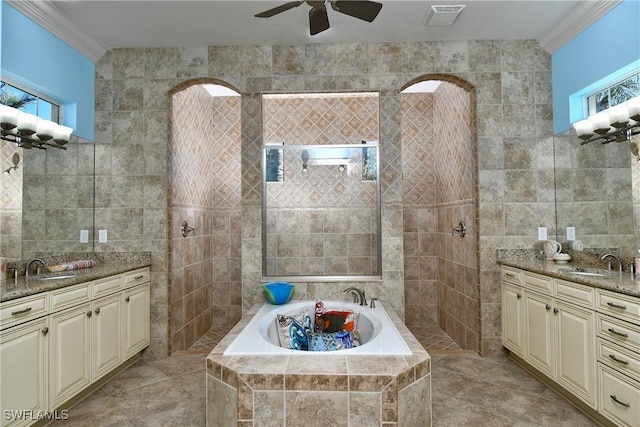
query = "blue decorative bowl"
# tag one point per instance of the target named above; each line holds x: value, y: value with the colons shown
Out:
x: 278, y: 292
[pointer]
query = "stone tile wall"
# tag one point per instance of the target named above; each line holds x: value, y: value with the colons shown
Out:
x: 10, y: 203
x: 512, y: 79
x: 205, y: 192
x: 439, y: 152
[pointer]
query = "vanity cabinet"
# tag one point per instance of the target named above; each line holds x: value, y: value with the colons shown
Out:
x: 23, y: 363
x: 70, y: 343
x: 618, y: 330
x: 80, y: 334
x: 512, y: 318
x: 556, y: 326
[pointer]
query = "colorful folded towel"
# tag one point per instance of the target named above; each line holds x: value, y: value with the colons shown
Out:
x: 72, y: 265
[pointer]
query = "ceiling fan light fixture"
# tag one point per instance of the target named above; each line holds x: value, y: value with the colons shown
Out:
x: 442, y: 15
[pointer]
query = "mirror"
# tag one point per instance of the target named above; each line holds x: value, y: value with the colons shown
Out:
x: 47, y: 200
x: 596, y: 194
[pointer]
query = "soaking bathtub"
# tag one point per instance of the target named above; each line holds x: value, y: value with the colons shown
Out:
x: 378, y: 334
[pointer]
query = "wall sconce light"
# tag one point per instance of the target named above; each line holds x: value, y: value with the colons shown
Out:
x: 20, y: 127
x: 617, y: 123
x: 16, y: 161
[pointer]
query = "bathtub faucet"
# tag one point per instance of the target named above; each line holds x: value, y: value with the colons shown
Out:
x: 358, y: 295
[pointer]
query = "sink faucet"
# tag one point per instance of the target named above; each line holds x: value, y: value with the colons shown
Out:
x: 608, y: 257
x: 35, y: 260
x: 358, y: 295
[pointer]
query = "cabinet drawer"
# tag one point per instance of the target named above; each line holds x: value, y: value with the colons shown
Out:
x: 619, y: 305
x: 23, y: 309
x: 511, y: 275
x: 620, y: 358
x: 135, y: 277
x: 619, y: 397
x: 576, y: 293
x: 69, y: 296
x: 619, y: 332
x: 538, y: 283
x: 106, y: 286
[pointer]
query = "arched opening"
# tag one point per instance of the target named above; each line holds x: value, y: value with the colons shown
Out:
x: 204, y: 168
x: 439, y: 166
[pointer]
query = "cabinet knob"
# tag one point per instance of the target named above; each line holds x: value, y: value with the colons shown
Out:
x: 547, y: 306
x: 89, y: 313
x: 98, y: 310
x: 518, y: 295
x: 127, y: 299
x: 45, y: 330
x: 555, y: 310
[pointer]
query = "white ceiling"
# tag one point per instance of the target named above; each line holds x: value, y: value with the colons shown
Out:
x: 93, y: 26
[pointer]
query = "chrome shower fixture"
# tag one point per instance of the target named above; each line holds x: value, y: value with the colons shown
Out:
x: 16, y: 161
x: 186, y: 229
x: 305, y: 160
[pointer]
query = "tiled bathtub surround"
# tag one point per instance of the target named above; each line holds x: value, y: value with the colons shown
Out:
x: 439, y: 145
x: 205, y: 163
x: 512, y: 79
x: 308, y: 390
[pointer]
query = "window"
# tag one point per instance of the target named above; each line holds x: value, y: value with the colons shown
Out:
x: 28, y: 102
x: 619, y: 92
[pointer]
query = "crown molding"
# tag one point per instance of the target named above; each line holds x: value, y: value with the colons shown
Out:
x: 584, y: 14
x: 45, y: 14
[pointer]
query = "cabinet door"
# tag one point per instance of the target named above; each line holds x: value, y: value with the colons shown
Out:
x: 539, y: 324
x: 136, y: 319
x: 512, y: 318
x: 575, y: 351
x: 106, y: 341
x: 23, y: 364
x: 69, y: 353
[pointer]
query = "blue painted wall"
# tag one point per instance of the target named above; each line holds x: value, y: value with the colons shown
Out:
x: 33, y: 57
x: 605, y: 51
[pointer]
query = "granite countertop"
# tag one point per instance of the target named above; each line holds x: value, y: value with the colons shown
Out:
x: 108, y: 267
x: 623, y: 283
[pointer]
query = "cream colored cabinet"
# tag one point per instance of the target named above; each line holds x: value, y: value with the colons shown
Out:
x: 618, y: 330
x: 23, y: 365
x: 540, y: 327
x: 70, y: 368
x: 55, y: 344
x: 557, y: 324
x: 513, y: 327
x: 106, y: 338
x: 576, y: 351
x: 135, y: 310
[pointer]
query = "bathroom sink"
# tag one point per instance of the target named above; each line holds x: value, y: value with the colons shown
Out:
x: 54, y: 277
x: 593, y: 272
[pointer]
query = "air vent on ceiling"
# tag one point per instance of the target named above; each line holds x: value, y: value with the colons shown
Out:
x: 443, y: 14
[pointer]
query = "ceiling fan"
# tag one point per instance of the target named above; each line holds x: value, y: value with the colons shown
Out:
x: 318, y: 18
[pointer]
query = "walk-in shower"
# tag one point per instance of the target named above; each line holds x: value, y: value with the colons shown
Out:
x: 321, y: 210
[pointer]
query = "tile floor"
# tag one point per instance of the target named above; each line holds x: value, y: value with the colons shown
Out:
x: 468, y: 390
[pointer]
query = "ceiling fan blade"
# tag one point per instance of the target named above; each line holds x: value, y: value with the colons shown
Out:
x: 365, y: 10
x: 318, y: 20
x: 276, y: 10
